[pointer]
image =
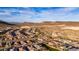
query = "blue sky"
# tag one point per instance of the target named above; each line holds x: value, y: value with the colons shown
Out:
x: 38, y: 14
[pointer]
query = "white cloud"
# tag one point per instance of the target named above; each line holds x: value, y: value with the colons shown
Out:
x: 5, y: 13
x: 69, y: 9
x: 44, y: 15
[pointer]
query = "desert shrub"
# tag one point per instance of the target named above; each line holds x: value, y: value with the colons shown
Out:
x: 50, y: 48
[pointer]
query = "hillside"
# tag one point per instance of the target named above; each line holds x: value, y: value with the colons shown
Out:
x: 45, y: 36
x: 5, y: 24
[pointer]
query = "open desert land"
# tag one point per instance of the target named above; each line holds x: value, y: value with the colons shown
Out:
x: 44, y: 36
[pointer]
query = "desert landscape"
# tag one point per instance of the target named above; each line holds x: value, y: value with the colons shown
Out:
x: 44, y: 36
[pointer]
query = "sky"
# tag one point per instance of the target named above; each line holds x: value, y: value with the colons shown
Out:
x: 39, y: 14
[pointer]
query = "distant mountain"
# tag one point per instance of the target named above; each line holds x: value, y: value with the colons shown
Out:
x: 4, y: 22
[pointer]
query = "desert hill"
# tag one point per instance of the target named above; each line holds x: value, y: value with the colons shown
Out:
x: 44, y: 36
